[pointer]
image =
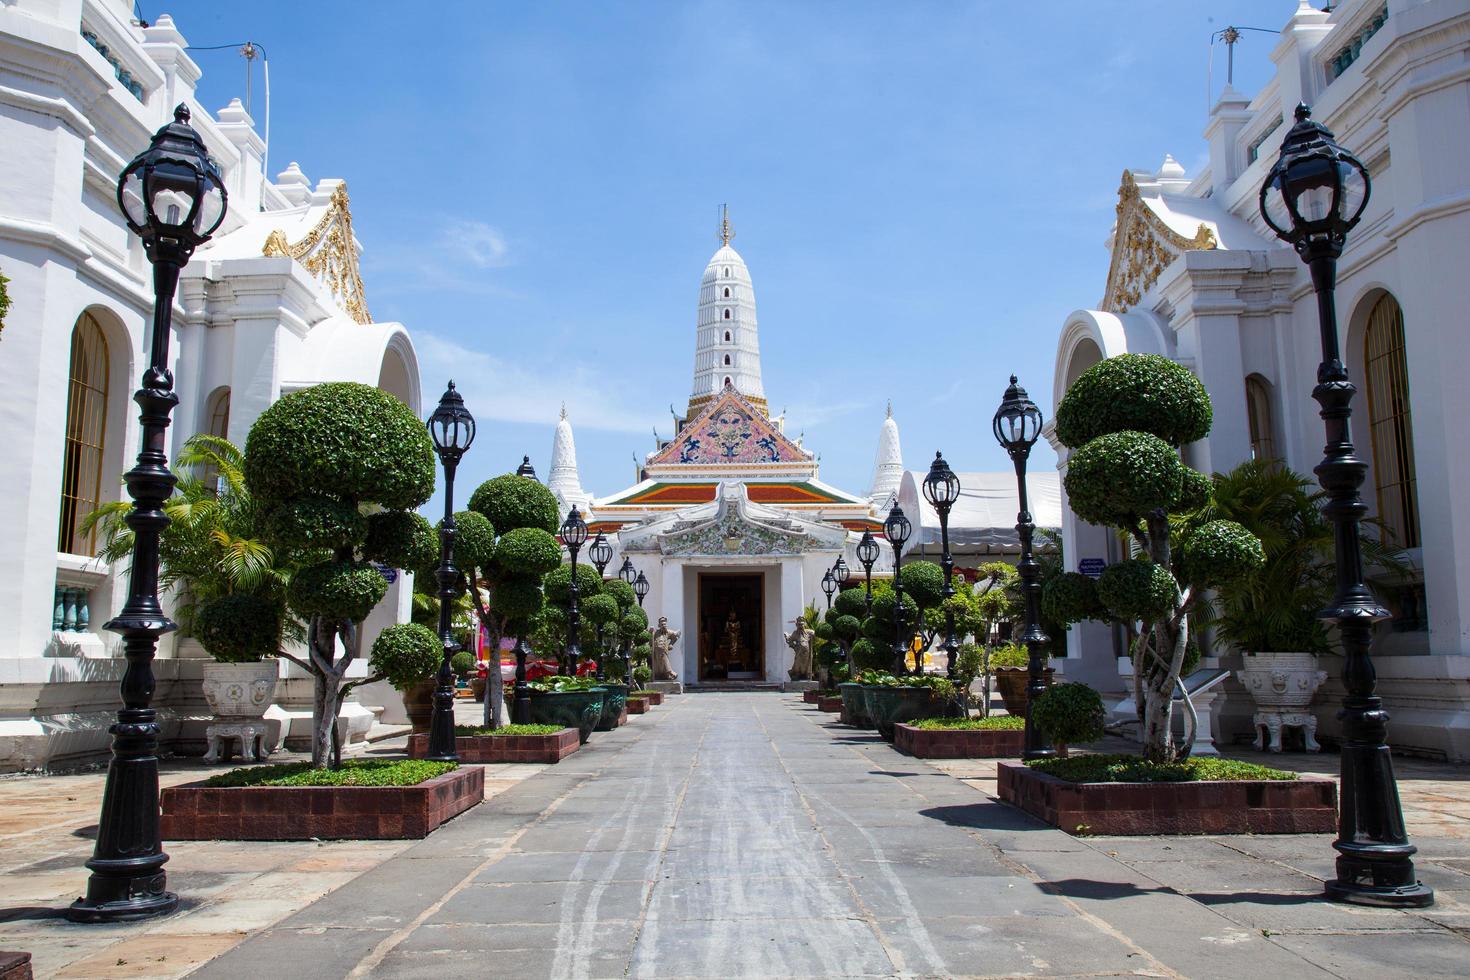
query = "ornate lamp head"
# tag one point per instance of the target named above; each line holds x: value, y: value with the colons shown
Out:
x: 628, y: 573
x: 172, y: 194
x: 897, y: 528
x: 867, y: 551
x: 526, y: 469
x: 600, y: 552
x: 829, y: 584
x: 1017, y: 422
x: 640, y: 587
x: 452, y: 427
x: 841, y: 572
x: 941, y: 486
x: 1316, y: 191
x: 574, y: 530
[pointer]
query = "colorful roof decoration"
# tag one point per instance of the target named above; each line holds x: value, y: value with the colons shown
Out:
x: 731, y: 431
x: 788, y: 492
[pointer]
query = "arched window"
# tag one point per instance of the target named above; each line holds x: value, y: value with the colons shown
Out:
x: 1259, y: 418
x: 86, y: 435
x: 728, y: 382
x: 727, y: 336
x: 1390, y: 423
x: 217, y: 423
x: 727, y: 314
x: 727, y: 292
x: 727, y: 360
x: 727, y: 272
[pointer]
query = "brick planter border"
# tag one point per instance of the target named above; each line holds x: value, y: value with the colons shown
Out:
x: 810, y: 697
x: 654, y: 697
x: 194, y: 811
x: 959, y: 744
x: 487, y: 749
x: 638, y: 705
x: 15, y: 966
x: 1306, y: 805
x: 832, y: 704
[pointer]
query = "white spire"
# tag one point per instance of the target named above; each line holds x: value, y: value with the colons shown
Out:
x: 888, y: 466
x: 564, y: 480
x: 727, y: 345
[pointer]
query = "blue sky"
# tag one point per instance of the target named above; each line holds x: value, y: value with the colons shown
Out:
x: 921, y: 191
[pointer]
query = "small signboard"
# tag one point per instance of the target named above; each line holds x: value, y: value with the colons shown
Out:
x: 389, y: 574
x: 1091, y: 567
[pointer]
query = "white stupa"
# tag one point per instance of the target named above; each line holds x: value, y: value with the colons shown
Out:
x: 565, y: 482
x: 727, y: 345
x: 887, y: 466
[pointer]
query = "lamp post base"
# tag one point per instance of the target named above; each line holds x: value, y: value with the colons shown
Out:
x: 125, y: 908
x: 1415, y: 896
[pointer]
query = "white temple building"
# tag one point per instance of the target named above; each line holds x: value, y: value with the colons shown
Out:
x: 1198, y: 277
x: 272, y: 304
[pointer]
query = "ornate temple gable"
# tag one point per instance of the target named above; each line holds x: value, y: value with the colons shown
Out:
x: 329, y: 252
x: 1143, y: 247
x: 732, y: 526
x: 730, y: 432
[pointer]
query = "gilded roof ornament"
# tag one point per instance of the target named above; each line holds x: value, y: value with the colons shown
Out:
x: 329, y: 252
x: 726, y: 232
x: 1143, y: 247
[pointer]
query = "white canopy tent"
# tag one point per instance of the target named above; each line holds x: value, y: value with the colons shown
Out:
x: 983, y: 520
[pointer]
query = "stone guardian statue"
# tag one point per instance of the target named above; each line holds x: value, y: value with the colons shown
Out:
x: 800, y: 642
x: 661, y: 643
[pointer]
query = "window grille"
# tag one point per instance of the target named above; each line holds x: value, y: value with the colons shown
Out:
x: 1258, y: 415
x: 1390, y: 423
x: 86, y: 436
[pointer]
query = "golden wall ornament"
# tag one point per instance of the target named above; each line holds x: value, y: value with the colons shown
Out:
x: 329, y: 252
x: 1143, y: 247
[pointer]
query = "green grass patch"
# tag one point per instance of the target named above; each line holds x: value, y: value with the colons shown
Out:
x: 1133, y: 769
x: 465, y: 731
x: 995, y: 723
x: 354, y: 772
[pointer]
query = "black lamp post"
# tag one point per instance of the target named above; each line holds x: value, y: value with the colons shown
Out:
x: 640, y: 589
x: 841, y: 573
x: 520, y: 708
x: 829, y: 586
x: 573, y: 535
x: 172, y: 197
x: 897, y: 529
x: 628, y: 574
x: 452, y: 428
x: 1313, y: 196
x: 601, y: 555
x: 942, y: 489
x: 1017, y: 425
x: 867, y: 555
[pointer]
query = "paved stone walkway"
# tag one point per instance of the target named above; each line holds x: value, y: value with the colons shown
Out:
x: 744, y: 835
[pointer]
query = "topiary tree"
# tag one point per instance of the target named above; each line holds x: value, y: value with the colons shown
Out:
x: 316, y: 462
x: 1070, y: 714
x: 405, y: 655
x: 1124, y: 421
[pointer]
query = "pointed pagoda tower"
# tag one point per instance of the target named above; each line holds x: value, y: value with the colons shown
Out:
x: 888, y: 465
x: 727, y: 346
x: 564, y: 480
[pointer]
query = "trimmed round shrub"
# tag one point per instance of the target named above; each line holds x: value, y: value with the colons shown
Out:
x: 636, y: 620
x: 883, y: 607
x: 824, y: 631
x: 847, y: 627
x: 1137, y: 590
x: 512, y: 501
x: 1070, y: 714
x: 600, y: 608
x: 1071, y: 597
x: 851, y: 602
x: 871, y: 655
x: 527, y: 551
x: 1135, y: 392
x: 621, y: 592
x: 338, y: 590
x: 1220, y: 553
x: 462, y: 663
x: 558, y: 583
x: 314, y: 522
x: 516, y: 598
x: 239, y: 628
x: 343, y: 440
x: 406, y: 654
x: 1195, y: 490
x: 474, y: 539
x: 923, y: 581
x: 1116, y: 478
x: 402, y: 539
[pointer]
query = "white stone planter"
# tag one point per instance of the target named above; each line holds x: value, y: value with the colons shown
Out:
x: 238, y: 691
x: 1282, y: 685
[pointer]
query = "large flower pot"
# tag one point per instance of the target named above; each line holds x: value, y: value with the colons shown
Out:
x: 418, y: 702
x: 890, y: 705
x: 1282, y: 685
x: 854, y: 708
x: 477, y: 688
x: 240, y: 690
x: 1012, y: 681
x: 613, y: 706
x: 581, y: 710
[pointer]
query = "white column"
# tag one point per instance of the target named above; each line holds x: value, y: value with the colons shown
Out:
x: 671, y: 604
x: 793, y: 601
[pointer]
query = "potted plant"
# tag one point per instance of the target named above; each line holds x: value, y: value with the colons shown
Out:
x: 892, y: 699
x: 1010, y: 666
x: 569, y: 702
x: 1271, y: 615
x: 408, y: 657
x: 1069, y: 714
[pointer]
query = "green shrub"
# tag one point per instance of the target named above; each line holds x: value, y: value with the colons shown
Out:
x: 314, y: 522
x: 512, y: 501
x: 600, y: 608
x: 406, y: 654
x: 851, y: 602
x: 474, y: 540
x: 968, y: 664
x: 995, y: 723
x: 557, y: 685
x: 1117, y: 477
x: 1138, y: 392
x: 558, y: 583
x: 1071, y: 597
x: 642, y: 674
x: 846, y: 628
x: 341, y: 440
x: 462, y: 663
x: 923, y: 581
x: 354, y: 772
x: 239, y: 628
x: 517, y: 598
x: 1194, y: 491
x: 339, y: 590
x: 470, y: 731
x: 1136, y: 769
x: 1137, y: 590
x: 1221, y: 553
x: 1070, y: 714
x: 870, y: 654
x: 401, y: 539
x: 527, y: 551
x: 1010, y: 655
x: 621, y: 591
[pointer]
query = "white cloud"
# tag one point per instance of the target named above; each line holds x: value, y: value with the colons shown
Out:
x: 476, y: 242
x: 494, y: 388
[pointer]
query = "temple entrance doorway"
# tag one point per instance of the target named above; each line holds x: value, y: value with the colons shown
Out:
x: 731, y: 623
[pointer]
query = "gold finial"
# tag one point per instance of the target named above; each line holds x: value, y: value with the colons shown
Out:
x: 726, y: 233
x: 563, y: 409
x: 890, y: 408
